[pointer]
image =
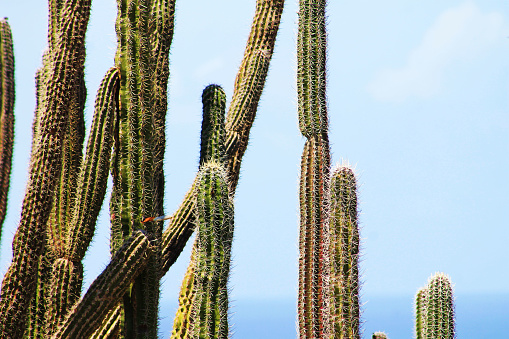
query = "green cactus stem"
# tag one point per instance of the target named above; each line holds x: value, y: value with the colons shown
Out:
x: 248, y: 88
x: 107, y: 289
x: 440, y: 308
x: 6, y: 114
x: 314, y: 262
x: 344, y: 254
x: 208, y: 309
x: 64, y: 67
x: 379, y: 335
x: 421, y: 300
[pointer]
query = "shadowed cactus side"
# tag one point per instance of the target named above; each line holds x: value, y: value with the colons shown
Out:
x: 344, y: 227
x: 6, y: 114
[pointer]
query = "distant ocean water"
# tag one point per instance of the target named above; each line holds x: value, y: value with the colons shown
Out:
x: 477, y: 316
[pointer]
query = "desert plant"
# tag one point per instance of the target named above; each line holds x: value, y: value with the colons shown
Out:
x: 64, y: 192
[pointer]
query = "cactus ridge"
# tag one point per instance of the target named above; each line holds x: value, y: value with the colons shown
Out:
x: 64, y: 67
x: 345, y: 287
x: 7, y: 98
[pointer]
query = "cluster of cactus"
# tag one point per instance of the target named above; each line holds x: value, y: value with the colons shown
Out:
x: 41, y: 291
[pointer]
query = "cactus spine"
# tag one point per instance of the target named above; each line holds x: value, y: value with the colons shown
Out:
x: 314, y: 262
x: 6, y: 114
x: 345, y: 254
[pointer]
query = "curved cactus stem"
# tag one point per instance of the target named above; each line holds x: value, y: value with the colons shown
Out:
x: 440, y: 308
x: 344, y: 228
x: 65, y: 65
x: 7, y: 97
x: 241, y: 114
x: 107, y: 289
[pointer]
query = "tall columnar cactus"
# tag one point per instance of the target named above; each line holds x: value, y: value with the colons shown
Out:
x: 64, y: 66
x: 6, y: 114
x: 439, y: 312
x: 205, y: 311
x: 344, y: 227
x: 314, y: 262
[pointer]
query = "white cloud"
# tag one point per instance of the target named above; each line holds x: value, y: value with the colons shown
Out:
x: 458, y: 33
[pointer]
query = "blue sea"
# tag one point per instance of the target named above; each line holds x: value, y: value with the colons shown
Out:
x: 477, y: 316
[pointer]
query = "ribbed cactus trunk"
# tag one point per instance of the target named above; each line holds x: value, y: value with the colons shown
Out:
x: 6, y: 114
x: 144, y: 32
x: 314, y: 261
x: 344, y: 227
x: 63, y: 73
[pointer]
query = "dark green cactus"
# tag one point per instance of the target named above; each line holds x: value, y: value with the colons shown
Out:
x: 6, y: 114
x: 344, y: 227
x: 314, y: 262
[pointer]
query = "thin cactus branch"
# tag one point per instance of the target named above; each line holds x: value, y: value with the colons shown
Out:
x: 7, y: 97
x: 421, y: 301
x: 241, y: 114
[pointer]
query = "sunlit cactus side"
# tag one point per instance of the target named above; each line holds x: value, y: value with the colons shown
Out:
x: 421, y: 300
x: 212, y: 150
x: 314, y: 316
x: 214, y: 219
x: 64, y: 67
x: 440, y: 308
x: 6, y: 114
x: 344, y: 281
x: 379, y: 335
x: 247, y: 91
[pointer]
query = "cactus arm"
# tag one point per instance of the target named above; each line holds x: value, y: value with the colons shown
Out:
x: 67, y: 272
x: 344, y: 227
x: 421, y: 301
x: 107, y: 289
x: 7, y: 97
x: 19, y: 283
x: 440, y: 308
x: 247, y: 91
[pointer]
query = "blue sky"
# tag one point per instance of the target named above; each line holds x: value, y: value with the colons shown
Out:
x: 418, y: 102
